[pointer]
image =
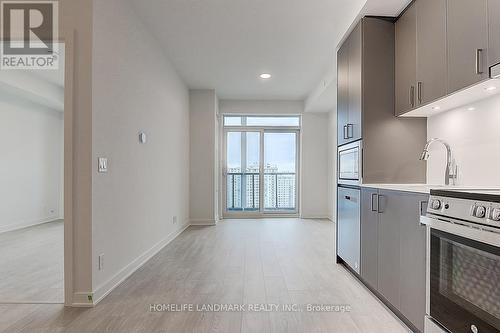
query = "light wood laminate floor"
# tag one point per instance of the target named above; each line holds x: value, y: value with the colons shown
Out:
x: 32, y: 264
x: 281, y: 261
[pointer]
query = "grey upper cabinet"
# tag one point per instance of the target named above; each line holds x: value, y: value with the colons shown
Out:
x: 349, y: 66
x: 355, y: 83
x: 405, y: 62
x: 369, y: 236
x: 494, y: 32
x: 342, y: 92
x: 431, y: 50
x: 467, y: 26
x: 366, y: 101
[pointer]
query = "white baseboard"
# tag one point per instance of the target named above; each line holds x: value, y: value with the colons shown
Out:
x: 104, y: 289
x: 315, y: 217
x: 83, y: 300
x: 196, y: 222
x: 25, y: 224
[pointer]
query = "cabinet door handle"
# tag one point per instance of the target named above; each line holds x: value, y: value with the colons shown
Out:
x: 346, y: 134
x: 419, y: 92
x: 479, y: 67
x: 379, y: 203
x: 423, y: 207
x: 374, y: 196
x: 412, y: 96
x: 350, y: 126
x: 347, y: 197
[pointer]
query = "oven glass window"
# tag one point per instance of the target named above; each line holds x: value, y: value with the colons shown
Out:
x: 464, y: 283
x: 348, y: 164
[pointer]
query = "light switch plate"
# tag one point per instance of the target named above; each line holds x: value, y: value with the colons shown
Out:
x: 103, y: 164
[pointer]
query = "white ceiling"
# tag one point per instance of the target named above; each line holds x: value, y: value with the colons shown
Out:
x: 226, y: 44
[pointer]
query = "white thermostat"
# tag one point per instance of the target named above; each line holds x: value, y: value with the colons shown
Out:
x: 142, y: 137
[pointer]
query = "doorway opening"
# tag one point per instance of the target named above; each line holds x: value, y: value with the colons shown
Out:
x: 32, y: 184
x: 261, y: 166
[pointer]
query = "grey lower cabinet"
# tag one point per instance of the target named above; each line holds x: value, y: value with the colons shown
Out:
x: 467, y: 29
x: 494, y: 32
x: 412, y: 236
x: 369, y: 237
x: 393, y: 249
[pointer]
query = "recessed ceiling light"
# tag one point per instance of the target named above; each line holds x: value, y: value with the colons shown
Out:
x: 471, y: 108
x: 436, y: 107
x: 265, y: 76
x: 491, y: 88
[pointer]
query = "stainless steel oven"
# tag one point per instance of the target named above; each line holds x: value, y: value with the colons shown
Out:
x: 350, y: 163
x: 463, y: 265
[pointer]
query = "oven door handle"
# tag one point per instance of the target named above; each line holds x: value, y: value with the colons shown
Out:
x: 485, y: 235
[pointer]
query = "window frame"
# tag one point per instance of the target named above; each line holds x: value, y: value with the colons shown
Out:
x: 261, y: 213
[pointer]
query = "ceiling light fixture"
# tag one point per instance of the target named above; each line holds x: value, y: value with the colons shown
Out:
x: 471, y: 108
x: 265, y: 76
x: 491, y: 88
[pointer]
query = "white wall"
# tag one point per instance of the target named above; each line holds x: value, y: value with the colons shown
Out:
x: 135, y: 88
x: 475, y: 139
x: 314, y: 149
x: 332, y: 165
x: 203, y: 143
x: 314, y: 167
x: 261, y: 107
x: 31, y: 145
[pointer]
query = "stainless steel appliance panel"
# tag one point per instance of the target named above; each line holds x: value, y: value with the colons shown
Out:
x: 348, y: 230
x: 350, y: 163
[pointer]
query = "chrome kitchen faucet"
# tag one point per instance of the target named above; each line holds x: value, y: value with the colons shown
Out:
x: 451, y: 172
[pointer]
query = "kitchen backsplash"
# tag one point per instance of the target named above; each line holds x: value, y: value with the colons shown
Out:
x: 473, y: 131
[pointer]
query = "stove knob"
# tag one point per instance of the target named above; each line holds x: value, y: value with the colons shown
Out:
x: 436, y: 204
x: 495, y: 215
x: 480, y: 212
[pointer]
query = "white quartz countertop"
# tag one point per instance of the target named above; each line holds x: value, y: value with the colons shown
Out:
x: 415, y: 188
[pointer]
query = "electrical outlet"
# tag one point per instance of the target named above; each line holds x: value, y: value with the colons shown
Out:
x: 174, y: 220
x: 101, y: 262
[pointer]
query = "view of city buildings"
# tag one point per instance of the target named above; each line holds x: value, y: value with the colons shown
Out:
x: 243, y: 189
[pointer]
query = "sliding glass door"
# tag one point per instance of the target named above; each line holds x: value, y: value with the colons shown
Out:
x: 243, y: 171
x: 280, y: 171
x: 261, y: 166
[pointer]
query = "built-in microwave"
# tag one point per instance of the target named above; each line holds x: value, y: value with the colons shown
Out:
x: 350, y: 163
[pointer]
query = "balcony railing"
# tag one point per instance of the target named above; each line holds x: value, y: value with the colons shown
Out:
x: 243, y: 191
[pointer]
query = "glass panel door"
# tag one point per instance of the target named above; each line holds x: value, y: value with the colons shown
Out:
x: 280, y: 171
x: 464, y: 289
x: 242, y: 171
